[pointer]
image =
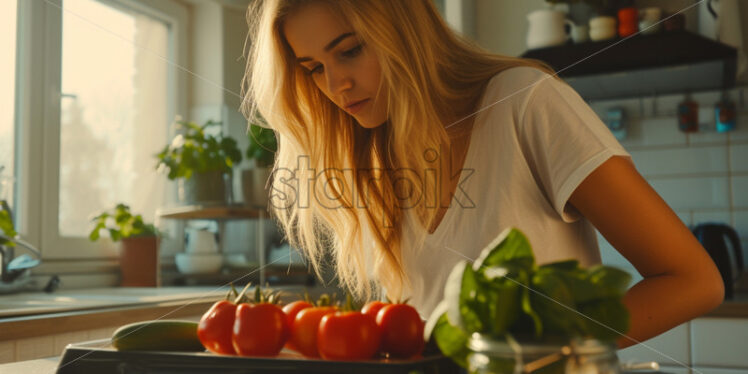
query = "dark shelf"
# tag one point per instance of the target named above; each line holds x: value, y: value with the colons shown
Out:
x: 668, y: 62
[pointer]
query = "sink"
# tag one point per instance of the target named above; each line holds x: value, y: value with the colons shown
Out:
x: 99, y: 298
x: 42, y: 303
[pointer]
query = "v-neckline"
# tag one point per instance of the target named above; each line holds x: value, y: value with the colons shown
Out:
x: 447, y: 217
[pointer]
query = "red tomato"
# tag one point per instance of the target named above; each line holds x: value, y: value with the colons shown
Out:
x: 304, y: 330
x: 294, y: 308
x: 259, y: 330
x: 348, y: 336
x: 215, y: 327
x: 402, y: 330
x: 372, y: 308
x: 291, y: 311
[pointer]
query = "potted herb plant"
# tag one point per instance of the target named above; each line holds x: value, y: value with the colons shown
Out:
x: 138, y: 247
x: 262, y: 147
x: 200, y: 162
x: 504, y: 313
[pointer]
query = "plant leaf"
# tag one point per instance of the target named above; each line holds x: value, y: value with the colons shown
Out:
x: 452, y: 341
x: 512, y: 245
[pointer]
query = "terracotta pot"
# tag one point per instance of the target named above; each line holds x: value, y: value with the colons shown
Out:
x: 139, y: 262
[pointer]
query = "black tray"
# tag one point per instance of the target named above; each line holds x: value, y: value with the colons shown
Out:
x: 99, y: 357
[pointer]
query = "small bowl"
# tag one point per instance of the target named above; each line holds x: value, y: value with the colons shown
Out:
x: 189, y: 263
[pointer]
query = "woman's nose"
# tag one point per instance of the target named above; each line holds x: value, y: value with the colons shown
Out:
x: 338, y: 81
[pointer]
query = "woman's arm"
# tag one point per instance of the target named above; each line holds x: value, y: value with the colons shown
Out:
x: 680, y: 281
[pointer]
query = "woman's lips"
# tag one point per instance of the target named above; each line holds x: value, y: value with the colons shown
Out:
x: 355, y: 108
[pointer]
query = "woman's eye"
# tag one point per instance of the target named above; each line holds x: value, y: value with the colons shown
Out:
x: 353, y: 52
x: 316, y: 69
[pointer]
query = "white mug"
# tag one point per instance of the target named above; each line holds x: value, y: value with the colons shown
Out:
x: 579, y: 33
x: 201, y: 241
x: 546, y: 28
x: 602, y: 28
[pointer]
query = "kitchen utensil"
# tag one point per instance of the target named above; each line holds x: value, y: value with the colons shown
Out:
x: 628, y: 21
x: 546, y: 28
x: 614, y: 119
x: 723, y: 245
x: 688, y: 116
x: 676, y: 22
x: 602, y: 28
x: 579, y: 33
x: 724, y: 115
x: 201, y: 241
x: 202, y: 263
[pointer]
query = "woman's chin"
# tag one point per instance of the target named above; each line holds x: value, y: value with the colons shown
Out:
x: 370, y: 124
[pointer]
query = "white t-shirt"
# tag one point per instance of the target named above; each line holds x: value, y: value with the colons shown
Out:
x: 532, y: 145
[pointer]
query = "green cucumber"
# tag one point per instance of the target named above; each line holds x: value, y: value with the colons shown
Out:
x: 160, y: 335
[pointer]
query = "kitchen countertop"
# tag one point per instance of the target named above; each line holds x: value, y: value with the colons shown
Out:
x: 126, y: 305
x: 41, y: 366
x: 34, y: 314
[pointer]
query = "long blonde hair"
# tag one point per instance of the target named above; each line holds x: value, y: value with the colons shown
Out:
x: 428, y: 71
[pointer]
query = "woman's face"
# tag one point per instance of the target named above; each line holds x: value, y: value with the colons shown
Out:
x: 346, y: 70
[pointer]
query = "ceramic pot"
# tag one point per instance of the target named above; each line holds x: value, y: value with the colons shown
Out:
x: 602, y: 28
x: 203, y: 188
x: 139, y: 261
x: 546, y: 28
x: 255, y: 186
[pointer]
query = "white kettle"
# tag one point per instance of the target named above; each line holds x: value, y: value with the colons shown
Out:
x: 547, y: 28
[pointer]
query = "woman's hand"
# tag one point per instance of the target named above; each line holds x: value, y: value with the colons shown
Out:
x: 680, y: 281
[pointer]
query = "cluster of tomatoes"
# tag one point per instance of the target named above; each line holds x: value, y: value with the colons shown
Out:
x: 263, y: 329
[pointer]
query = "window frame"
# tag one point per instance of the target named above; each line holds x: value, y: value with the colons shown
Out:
x: 38, y: 85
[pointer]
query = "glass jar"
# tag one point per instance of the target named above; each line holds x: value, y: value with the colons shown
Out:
x: 491, y: 355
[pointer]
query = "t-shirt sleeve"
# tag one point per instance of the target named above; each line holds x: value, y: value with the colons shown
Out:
x: 563, y: 141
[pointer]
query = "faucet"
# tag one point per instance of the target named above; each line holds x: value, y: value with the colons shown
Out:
x: 12, y: 268
x: 15, y: 271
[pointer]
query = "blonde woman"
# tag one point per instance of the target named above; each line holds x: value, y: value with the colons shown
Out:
x: 403, y: 149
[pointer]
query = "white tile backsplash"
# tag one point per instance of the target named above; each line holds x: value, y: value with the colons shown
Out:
x: 740, y: 192
x: 653, y: 133
x: 678, y: 161
x: 693, y: 193
x: 740, y: 222
x: 707, y: 136
x: 669, y: 348
x: 739, y: 158
x: 719, y: 342
x: 718, y: 216
x: 741, y: 129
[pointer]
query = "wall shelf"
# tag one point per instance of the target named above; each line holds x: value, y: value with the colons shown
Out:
x: 221, y: 214
x: 664, y: 63
x: 211, y: 212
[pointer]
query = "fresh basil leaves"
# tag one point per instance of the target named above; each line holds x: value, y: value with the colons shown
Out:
x: 505, y: 294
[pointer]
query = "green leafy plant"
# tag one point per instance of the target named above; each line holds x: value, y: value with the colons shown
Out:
x: 196, y: 151
x: 7, y: 228
x: 262, y: 145
x: 121, y: 224
x: 506, y: 295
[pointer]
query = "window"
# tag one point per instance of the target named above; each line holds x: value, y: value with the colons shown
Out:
x: 8, y: 15
x: 98, y: 87
x: 113, y: 112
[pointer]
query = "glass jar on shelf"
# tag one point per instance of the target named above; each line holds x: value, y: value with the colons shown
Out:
x: 507, y: 356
